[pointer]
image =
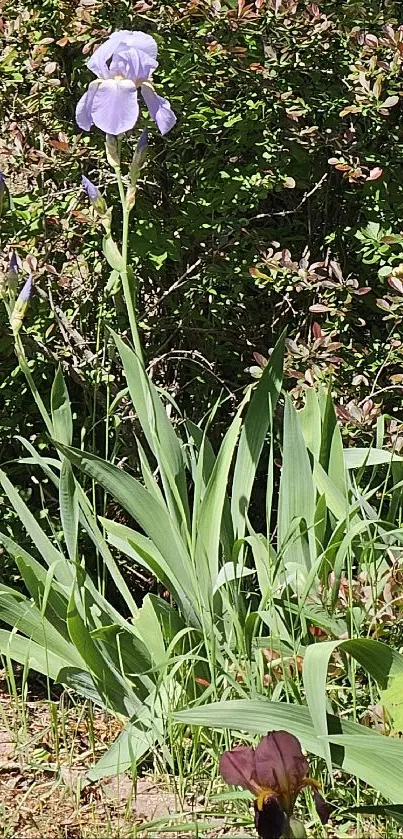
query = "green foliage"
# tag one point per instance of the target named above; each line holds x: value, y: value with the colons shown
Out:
x: 138, y: 666
x: 273, y: 542
x: 245, y: 225
x: 392, y: 700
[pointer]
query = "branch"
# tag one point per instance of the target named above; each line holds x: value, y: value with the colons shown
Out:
x: 74, y: 337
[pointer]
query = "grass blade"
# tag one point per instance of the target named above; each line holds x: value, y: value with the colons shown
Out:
x: 378, y: 659
x: 61, y: 410
x: 69, y: 513
x: 50, y: 554
x: 254, y: 430
x: 297, y: 491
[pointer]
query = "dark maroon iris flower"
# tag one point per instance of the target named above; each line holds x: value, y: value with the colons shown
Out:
x: 275, y: 772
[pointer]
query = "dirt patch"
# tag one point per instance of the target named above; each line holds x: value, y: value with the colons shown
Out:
x: 47, y: 746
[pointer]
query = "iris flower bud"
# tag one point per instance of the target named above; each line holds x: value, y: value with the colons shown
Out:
x: 21, y: 305
x: 139, y: 157
x: 93, y: 193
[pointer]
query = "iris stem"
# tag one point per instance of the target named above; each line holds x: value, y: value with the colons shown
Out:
x: 24, y: 367
x: 295, y: 829
x: 129, y: 291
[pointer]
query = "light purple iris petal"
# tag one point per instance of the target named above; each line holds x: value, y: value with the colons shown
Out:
x: 132, y: 64
x: 115, y: 108
x: 97, y: 63
x: 119, y: 42
x: 159, y: 109
x: 140, y: 41
x: 126, y: 64
x: 84, y: 107
x: 147, y: 65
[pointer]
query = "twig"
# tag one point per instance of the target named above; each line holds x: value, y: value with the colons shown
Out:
x: 64, y: 323
x: 298, y: 207
x: 177, y: 284
x: 203, y: 363
x: 380, y: 391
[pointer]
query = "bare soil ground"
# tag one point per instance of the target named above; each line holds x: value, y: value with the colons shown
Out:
x: 46, y: 749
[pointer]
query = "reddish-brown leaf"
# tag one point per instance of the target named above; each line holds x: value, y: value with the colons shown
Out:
x: 260, y: 359
x: 80, y: 217
x: 396, y: 284
x: 59, y: 145
x: 319, y: 308
x: 375, y: 173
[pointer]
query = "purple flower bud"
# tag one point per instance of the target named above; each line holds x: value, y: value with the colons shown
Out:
x: 143, y: 142
x: 137, y: 162
x: 3, y: 191
x: 94, y: 195
x: 90, y: 188
x: 18, y: 313
x: 26, y: 291
x: 112, y: 151
x: 11, y: 278
x: 13, y: 266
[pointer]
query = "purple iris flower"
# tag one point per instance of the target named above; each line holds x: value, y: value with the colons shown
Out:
x: 123, y: 64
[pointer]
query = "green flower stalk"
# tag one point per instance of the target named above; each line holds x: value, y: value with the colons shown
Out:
x: 16, y: 312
